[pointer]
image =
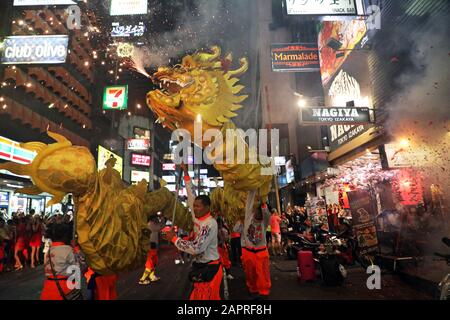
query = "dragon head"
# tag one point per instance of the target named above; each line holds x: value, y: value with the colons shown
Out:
x: 201, y: 86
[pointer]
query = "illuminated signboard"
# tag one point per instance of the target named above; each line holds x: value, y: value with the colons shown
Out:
x: 169, y: 156
x: 128, y: 7
x: 4, y: 199
x: 335, y: 115
x: 34, y: 49
x: 18, y: 3
x: 138, y: 176
x: 334, y: 36
x: 104, y: 155
x: 169, y: 179
x: 290, y: 175
x: 141, y: 160
x: 169, y: 167
x: 11, y: 151
x: 313, y: 7
x: 203, y: 171
x: 115, y: 98
x: 295, y: 57
x: 127, y: 30
x: 138, y: 144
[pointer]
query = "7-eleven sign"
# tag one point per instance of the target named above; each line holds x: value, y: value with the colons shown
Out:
x: 115, y: 98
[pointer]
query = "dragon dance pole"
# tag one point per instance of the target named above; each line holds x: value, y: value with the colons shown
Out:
x: 275, y: 177
x: 176, y: 199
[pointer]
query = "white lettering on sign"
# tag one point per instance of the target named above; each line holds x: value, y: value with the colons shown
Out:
x: 35, y: 49
x: 138, y: 144
x: 140, y: 160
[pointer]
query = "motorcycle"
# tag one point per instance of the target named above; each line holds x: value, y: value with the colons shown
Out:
x: 297, y: 242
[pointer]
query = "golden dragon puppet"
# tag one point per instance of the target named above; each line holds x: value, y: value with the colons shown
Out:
x: 203, y: 87
x: 111, y: 218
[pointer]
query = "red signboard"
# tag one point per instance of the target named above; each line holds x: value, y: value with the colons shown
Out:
x: 407, y: 186
x: 141, y: 160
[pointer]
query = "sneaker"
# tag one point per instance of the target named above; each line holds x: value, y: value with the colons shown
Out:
x: 154, y: 278
x: 145, y: 282
x: 230, y: 277
x: 182, y: 261
x: 177, y: 261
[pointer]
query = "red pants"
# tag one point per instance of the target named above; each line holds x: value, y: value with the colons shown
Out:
x: 152, y: 259
x: 208, y: 290
x: 224, y: 257
x: 257, y: 273
x: 105, y: 288
x: 50, y: 290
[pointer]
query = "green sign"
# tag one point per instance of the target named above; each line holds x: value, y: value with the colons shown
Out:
x: 115, y: 98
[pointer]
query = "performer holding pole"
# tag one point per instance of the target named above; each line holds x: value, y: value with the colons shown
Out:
x: 207, y: 272
x: 255, y: 256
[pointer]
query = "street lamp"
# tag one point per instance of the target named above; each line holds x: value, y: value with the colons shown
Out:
x: 302, y: 103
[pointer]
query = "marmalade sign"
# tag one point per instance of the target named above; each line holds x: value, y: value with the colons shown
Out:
x: 295, y: 57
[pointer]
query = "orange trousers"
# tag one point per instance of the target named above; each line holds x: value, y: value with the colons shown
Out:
x: 224, y: 257
x: 105, y: 287
x: 208, y: 290
x: 152, y: 259
x: 257, y: 272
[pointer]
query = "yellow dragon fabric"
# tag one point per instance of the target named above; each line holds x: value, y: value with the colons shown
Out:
x: 111, y: 218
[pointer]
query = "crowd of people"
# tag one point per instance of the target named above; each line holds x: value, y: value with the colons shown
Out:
x: 24, y: 240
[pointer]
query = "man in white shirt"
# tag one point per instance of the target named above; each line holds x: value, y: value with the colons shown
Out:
x: 255, y: 256
x: 206, y: 271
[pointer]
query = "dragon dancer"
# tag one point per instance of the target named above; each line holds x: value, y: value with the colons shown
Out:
x: 207, y: 272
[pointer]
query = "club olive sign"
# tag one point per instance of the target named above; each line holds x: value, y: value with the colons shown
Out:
x: 34, y: 49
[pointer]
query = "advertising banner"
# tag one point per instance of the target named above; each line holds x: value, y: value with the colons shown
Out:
x: 363, y: 219
x: 138, y: 176
x: 295, y: 57
x: 127, y: 30
x: 141, y: 160
x: 34, y: 49
x: 18, y: 3
x: 128, y: 7
x: 104, y: 155
x: 317, y: 212
x: 138, y: 144
x: 115, y: 98
x: 11, y: 151
x: 313, y: 7
x: 332, y: 116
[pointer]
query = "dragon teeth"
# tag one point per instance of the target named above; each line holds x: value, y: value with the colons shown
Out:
x: 160, y: 120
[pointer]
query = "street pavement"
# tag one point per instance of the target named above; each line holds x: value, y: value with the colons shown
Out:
x: 174, y: 285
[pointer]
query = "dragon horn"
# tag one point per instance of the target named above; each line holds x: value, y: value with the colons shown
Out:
x: 241, y: 70
x: 206, y: 57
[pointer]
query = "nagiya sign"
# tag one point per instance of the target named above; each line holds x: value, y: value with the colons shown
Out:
x: 138, y: 144
x: 141, y: 160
